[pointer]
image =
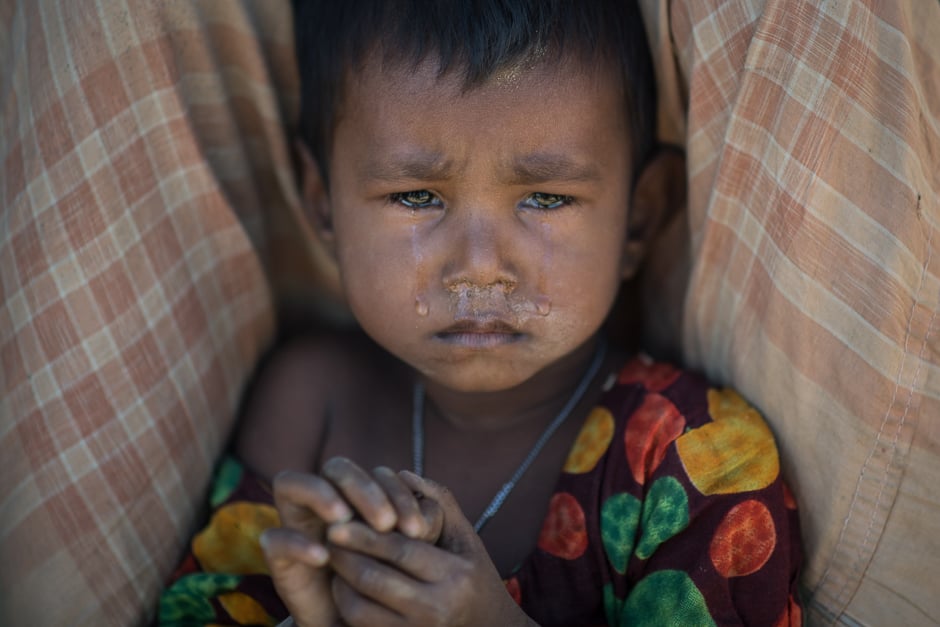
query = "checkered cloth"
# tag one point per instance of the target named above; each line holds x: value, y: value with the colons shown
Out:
x: 813, y: 136
x: 143, y: 157
x: 149, y: 225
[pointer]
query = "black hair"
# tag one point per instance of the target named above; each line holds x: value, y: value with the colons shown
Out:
x: 476, y: 38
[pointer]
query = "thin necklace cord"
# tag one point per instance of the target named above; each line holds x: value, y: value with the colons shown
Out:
x: 417, y: 432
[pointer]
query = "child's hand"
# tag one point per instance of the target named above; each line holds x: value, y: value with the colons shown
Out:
x: 295, y: 552
x: 389, y: 579
x: 384, y: 501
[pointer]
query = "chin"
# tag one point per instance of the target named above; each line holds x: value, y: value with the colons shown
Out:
x: 479, y: 380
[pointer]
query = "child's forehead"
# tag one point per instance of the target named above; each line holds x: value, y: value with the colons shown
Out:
x: 547, y: 74
x: 402, y: 120
x: 377, y: 87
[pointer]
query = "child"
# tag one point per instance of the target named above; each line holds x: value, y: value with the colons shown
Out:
x: 484, y: 175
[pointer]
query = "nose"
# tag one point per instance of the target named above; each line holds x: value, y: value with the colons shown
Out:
x: 480, y: 252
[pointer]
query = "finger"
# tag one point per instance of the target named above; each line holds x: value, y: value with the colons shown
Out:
x: 433, y: 515
x: 415, y: 558
x: 296, y: 567
x: 357, y: 610
x: 363, y: 493
x: 457, y: 533
x: 430, y: 512
x: 282, y: 546
x: 304, y: 501
x: 378, y: 581
x: 411, y: 520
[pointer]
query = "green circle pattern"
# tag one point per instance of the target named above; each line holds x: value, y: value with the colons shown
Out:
x: 620, y: 517
x: 665, y: 513
x: 666, y: 597
x: 187, y: 601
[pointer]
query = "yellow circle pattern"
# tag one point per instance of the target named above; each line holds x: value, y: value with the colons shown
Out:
x: 734, y: 453
x: 593, y: 441
x: 230, y: 543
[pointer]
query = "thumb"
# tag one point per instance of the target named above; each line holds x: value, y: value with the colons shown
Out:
x: 457, y: 534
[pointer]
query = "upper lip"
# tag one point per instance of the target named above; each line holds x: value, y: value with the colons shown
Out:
x: 476, y: 325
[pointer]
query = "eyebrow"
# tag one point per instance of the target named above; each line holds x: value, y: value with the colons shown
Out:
x: 419, y: 165
x: 545, y: 167
x: 527, y: 169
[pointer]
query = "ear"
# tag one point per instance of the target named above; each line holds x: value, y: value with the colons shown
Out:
x: 659, y: 191
x: 315, y: 197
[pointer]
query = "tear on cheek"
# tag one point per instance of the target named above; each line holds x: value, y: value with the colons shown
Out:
x: 540, y: 305
x: 543, y: 305
x: 421, y: 306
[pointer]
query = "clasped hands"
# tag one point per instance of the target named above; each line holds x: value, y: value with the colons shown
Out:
x: 382, y: 549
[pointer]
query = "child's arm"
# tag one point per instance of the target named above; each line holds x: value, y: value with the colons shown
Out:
x: 283, y: 426
x: 286, y: 412
x: 389, y: 579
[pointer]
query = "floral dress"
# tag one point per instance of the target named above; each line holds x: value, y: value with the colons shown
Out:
x: 670, y: 510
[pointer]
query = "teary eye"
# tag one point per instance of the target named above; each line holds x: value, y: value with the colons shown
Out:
x: 541, y: 200
x: 416, y: 199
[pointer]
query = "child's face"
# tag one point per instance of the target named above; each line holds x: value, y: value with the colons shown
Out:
x: 480, y: 234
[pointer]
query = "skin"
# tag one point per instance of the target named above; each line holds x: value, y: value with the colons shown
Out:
x: 482, y: 258
x: 431, y: 203
x: 296, y: 553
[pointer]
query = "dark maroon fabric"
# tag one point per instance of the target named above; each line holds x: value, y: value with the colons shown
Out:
x: 630, y: 537
x: 561, y: 584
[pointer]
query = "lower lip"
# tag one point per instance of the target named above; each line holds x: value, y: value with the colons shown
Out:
x: 479, y: 340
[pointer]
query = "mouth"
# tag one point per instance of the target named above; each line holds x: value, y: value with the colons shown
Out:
x: 480, y: 334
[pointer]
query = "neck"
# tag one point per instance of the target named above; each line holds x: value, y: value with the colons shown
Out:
x: 535, y: 401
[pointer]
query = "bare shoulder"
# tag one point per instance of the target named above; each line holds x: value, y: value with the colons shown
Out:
x: 297, y: 390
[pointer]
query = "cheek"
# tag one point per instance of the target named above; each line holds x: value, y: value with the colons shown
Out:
x: 585, y: 266
x: 377, y: 268
x: 587, y: 279
x: 376, y: 271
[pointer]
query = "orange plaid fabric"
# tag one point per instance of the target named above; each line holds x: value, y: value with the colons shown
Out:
x: 813, y: 277
x: 149, y: 221
x: 143, y: 155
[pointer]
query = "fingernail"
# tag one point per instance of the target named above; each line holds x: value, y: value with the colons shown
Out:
x: 337, y: 534
x: 318, y: 554
x: 412, y: 528
x: 342, y: 513
x: 385, y: 520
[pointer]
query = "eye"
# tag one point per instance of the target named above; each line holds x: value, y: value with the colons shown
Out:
x: 541, y: 200
x: 416, y: 199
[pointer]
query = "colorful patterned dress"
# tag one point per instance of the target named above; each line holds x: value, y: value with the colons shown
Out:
x: 670, y: 510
